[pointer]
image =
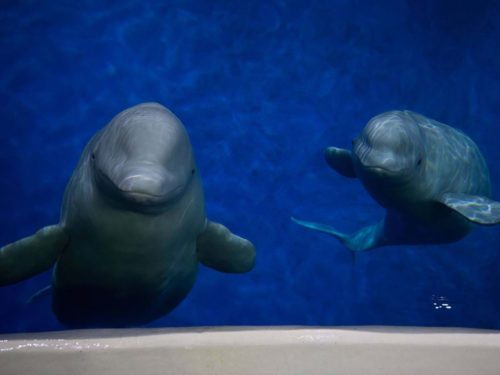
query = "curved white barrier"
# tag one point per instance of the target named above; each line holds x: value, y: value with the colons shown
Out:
x: 259, y: 350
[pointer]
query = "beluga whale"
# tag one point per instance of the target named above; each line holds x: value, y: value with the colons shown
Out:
x: 431, y: 179
x: 133, y: 227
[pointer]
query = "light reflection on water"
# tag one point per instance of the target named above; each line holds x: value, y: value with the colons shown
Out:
x: 441, y: 302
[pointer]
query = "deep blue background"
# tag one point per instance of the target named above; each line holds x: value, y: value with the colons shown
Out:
x: 262, y: 87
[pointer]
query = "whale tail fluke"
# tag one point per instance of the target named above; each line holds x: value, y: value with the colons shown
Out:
x: 39, y: 295
x: 364, y: 239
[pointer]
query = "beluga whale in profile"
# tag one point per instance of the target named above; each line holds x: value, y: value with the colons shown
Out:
x: 133, y: 227
x: 431, y: 179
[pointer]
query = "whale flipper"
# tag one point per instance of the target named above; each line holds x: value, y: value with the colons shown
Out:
x: 31, y: 255
x: 479, y: 210
x: 340, y: 160
x: 224, y: 251
x: 366, y: 238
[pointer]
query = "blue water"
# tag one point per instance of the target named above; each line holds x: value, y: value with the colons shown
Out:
x: 262, y: 87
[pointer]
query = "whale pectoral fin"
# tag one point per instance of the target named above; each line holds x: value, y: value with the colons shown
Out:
x: 479, y: 210
x: 31, y: 255
x: 364, y: 239
x: 224, y: 251
x: 340, y: 160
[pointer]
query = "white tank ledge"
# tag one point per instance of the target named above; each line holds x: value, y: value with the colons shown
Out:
x: 253, y: 350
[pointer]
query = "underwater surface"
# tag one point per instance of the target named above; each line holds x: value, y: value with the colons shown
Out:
x: 262, y: 88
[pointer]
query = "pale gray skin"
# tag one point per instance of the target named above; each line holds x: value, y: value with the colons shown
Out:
x: 133, y: 227
x: 431, y: 178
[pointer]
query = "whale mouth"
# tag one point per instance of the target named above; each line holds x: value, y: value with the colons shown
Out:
x: 380, y: 171
x: 149, y: 199
x: 138, y: 192
x: 384, y: 178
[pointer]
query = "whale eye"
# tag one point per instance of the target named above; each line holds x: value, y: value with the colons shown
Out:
x: 93, y: 156
x: 192, y: 171
x: 419, y: 162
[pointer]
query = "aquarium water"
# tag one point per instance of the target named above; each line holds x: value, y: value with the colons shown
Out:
x: 262, y: 88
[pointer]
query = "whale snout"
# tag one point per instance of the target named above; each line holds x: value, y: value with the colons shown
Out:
x: 383, y: 163
x: 141, y: 185
x: 148, y: 184
x: 379, y: 171
x: 384, y: 168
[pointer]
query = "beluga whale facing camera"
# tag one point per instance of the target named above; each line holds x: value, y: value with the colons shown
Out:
x: 431, y: 179
x: 133, y: 227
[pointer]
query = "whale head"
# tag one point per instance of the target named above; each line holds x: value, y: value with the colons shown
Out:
x: 389, y: 156
x: 143, y: 158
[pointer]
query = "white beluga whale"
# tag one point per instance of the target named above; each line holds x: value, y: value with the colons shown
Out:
x: 133, y: 227
x: 431, y: 179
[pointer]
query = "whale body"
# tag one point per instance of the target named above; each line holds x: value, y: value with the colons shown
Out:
x: 431, y: 179
x: 133, y: 227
